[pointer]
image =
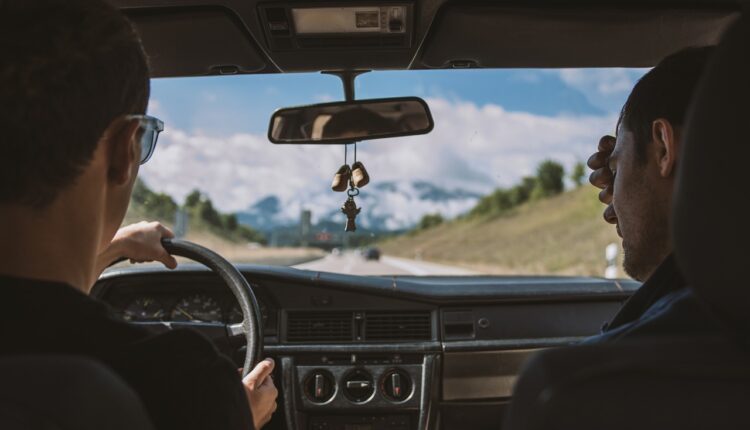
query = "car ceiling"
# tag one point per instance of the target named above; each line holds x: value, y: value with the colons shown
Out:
x: 213, y: 37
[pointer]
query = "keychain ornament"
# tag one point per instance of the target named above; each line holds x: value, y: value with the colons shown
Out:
x: 341, y: 179
x: 360, y: 177
x: 351, y: 210
x: 350, y: 179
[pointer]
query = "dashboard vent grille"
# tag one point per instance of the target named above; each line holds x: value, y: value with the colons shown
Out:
x: 319, y: 326
x: 398, y: 326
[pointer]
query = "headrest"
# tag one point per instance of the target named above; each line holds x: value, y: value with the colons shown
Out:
x: 711, y: 229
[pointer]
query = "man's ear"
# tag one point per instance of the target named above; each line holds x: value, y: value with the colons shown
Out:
x: 122, y: 151
x: 666, y: 145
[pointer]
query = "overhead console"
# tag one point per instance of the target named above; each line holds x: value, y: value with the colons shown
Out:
x: 499, y: 36
x: 361, y: 31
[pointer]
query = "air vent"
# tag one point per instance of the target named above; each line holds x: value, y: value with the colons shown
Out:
x: 319, y: 326
x: 398, y: 326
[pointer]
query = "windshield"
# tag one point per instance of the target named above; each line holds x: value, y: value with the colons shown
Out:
x: 498, y: 187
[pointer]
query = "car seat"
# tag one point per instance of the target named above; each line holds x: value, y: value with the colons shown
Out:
x: 50, y: 392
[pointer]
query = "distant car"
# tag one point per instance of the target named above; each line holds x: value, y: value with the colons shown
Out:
x: 336, y: 251
x: 371, y: 254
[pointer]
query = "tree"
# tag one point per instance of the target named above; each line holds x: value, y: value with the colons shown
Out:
x: 579, y: 171
x: 250, y: 235
x: 156, y: 205
x: 193, y: 199
x: 522, y: 192
x: 549, y: 176
x: 140, y: 192
x: 208, y: 214
x: 230, y: 222
x: 429, y: 221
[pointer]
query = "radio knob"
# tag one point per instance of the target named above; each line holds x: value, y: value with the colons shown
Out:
x: 397, y: 385
x: 319, y: 386
x: 358, y: 386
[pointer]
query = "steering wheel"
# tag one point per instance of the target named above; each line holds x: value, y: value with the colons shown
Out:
x: 251, y: 326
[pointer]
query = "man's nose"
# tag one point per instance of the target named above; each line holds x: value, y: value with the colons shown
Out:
x: 609, y: 214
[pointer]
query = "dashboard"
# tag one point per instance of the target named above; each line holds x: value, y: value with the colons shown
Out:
x: 369, y: 353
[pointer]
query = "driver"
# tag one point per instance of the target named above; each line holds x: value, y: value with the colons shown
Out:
x: 636, y: 171
x: 74, y: 86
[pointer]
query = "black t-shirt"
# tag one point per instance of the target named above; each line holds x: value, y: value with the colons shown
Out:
x: 182, y: 379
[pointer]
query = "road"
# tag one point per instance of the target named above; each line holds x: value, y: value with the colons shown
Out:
x: 353, y: 263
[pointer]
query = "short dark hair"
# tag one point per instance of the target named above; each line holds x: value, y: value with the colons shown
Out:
x: 69, y: 68
x: 664, y: 92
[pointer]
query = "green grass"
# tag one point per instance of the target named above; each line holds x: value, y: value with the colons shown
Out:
x: 564, y: 234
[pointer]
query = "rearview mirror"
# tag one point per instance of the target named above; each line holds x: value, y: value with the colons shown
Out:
x: 350, y: 121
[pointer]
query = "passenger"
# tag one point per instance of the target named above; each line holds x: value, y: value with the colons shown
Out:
x: 636, y: 172
x: 74, y: 86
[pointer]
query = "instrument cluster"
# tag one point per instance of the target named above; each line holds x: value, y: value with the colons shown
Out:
x: 189, y: 307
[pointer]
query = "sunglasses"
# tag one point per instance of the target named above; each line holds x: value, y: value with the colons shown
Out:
x: 150, y: 129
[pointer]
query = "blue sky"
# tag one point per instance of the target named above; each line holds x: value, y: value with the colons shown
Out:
x: 492, y: 127
x: 237, y: 104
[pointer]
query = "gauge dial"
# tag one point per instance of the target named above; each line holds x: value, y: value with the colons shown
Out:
x: 235, y: 314
x: 144, y: 309
x: 197, y: 307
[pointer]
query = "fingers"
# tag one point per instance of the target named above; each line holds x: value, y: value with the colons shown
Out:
x: 261, y: 392
x: 270, y: 386
x: 598, y: 160
x: 601, y: 178
x: 607, y: 144
x: 609, y: 214
x: 168, y: 261
x: 257, y: 376
x: 165, y: 232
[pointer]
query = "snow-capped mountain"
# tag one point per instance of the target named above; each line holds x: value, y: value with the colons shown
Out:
x: 386, y: 206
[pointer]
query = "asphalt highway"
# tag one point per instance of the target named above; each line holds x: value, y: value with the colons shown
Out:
x: 354, y: 264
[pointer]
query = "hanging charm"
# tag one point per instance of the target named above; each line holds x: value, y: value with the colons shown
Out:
x: 351, y: 210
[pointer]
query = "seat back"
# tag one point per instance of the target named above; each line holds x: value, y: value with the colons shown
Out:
x: 711, y: 234
x: 66, y: 393
x: 659, y: 384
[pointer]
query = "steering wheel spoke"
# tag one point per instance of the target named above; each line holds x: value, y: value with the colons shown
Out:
x: 235, y: 329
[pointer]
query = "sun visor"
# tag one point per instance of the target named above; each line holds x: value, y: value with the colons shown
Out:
x: 196, y: 42
x: 496, y: 37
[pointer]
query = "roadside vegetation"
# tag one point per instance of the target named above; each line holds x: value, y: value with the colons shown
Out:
x: 212, y: 228
x: 533, y: 227
x: 201, y: 214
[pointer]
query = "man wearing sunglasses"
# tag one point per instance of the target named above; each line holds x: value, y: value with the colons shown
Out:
x: 74, y: 88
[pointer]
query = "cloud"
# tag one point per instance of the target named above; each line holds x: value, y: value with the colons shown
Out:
x: 472, y: 147
x: 604, y: 88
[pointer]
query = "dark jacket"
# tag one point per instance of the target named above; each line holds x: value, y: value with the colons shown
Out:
x: 663, y: 305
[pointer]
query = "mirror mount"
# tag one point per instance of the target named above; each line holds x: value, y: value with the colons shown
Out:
x: 347, y: 79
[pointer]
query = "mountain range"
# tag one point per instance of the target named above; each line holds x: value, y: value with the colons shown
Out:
x: 386, y: 206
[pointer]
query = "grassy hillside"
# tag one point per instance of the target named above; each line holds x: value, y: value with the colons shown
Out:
x: 564, y: 234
